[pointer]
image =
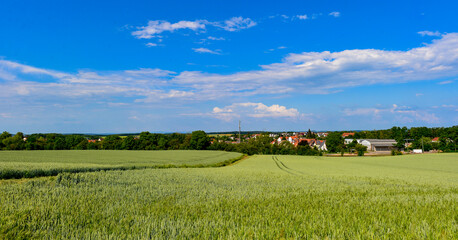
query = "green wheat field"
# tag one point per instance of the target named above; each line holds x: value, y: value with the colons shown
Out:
x: 260, y: 197
x: 19, y: 164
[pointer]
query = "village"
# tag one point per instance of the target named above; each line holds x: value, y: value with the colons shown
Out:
x: 317, y: 140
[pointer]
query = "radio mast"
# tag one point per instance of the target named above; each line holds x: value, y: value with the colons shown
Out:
x: 240, y: 138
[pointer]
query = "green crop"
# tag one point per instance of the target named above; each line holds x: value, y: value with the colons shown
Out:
x: 19, y: 164
x: 262, y: 197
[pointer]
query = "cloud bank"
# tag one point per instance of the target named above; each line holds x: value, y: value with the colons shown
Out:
x: 402, y: 114
x: 254, y: 110
x: 306, y: 73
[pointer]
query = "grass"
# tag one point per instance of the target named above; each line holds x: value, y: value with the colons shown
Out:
x: 19, y: 164
x: 262, y: 197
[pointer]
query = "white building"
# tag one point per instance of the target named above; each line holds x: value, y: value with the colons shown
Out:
x: 321, y: 145
x: 376, y: 145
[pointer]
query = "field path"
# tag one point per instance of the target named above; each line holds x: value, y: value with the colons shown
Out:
x: 282, y: 166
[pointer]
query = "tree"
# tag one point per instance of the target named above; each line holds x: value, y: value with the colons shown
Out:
x: 334, y: 142
x: 199, y: 140
x: 82, y: 145
x: 72, y: 141
x: 59, y: 144
x: 286, y: 148
x: 129, y: 143
x: 360, y: 149
x: 423, y: 143
x: 175, y: 140
x: 310, y: 134
x: 112, y: 142
x: 92, y: 146
x: 4, y: 136
x: 303, y: 149
x: 352, y: 145
x: 400, y: 143
x: 15, y: 142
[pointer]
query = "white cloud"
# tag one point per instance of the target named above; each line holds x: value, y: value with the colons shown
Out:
x: 419, y: 94
x: 361, y: 111
x: 254, y: 110
x: 273, y: 49
x: 206, y: 50
x: 445, y: 82
x: 305, y: 73
x: 334, y: 14
x: 326, y: 72
x: 151, y: 44
x: 141, y: 83
x: 216, y: 38
x: 449, y: 106
x: 5, y: 115
x: 404, y: 114
x: 9, y: 66
x: 157, y: 27
x: 302, y: 17
x: 235, y: 24
x: 410, y: 115
x: 429, y: 33
x: 117, y: 104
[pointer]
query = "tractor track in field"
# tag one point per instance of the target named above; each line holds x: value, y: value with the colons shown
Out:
x: 285, y: 168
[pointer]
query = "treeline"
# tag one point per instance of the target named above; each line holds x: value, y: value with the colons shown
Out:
x: 407, y: 139
x: 198, y: 140
x: 420, y: 137
x: 408, y: 133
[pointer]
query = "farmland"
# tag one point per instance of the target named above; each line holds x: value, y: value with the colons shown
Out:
x: 264, y: 196
x: 17, y: 164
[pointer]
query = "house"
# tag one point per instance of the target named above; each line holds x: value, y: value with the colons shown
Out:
x: 255, y: 136
x: 347, y: 134
x: 321, y: 145
x: 408, y: 142
x: 294, y: 140
x: 321, y: 134
x: 436, y: 139
x: 311, y: 142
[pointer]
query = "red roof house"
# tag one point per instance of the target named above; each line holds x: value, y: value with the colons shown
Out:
x: 344, y: 135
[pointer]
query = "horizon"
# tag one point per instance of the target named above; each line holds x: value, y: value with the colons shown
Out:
x: 218, y: 132
x: 178, y: 67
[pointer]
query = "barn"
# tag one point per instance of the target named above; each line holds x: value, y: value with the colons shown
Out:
x: 376, y: 145
x: 379, y: 145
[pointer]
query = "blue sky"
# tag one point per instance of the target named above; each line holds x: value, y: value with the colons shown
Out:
x: 112, y: 66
